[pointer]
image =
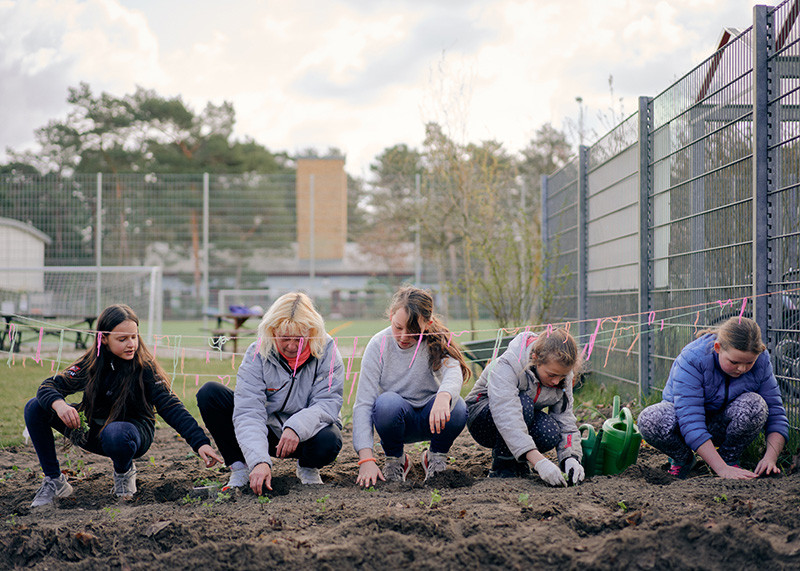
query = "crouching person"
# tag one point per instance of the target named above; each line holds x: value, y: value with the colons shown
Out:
x: 287, y: 399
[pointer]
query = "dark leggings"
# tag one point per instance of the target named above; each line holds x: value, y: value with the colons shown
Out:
x: 541, y: 426
x: 215, y: 402
x: 120, y: 441
x: 732, y: 429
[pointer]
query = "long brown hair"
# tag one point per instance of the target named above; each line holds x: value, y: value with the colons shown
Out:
x: 418, y: 304
x: 131, y: 376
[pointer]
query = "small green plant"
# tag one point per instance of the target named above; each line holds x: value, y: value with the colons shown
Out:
x: 322, y: 502
x: 524, y: 499
x: 264, y: 500
x: 12, y: 520
x: 222, y: 497
x: 451, y: 460
x: 721, y: 498
x: 371, y: 489
x: 188, y: 499
x: 84, y: 427
x: 153, y: 460
x: 207, y: 482
x: 622, y: 506
x: 436, y: 497
x: 112, y: 512
x: 421, y: 446
x: 209, y: 507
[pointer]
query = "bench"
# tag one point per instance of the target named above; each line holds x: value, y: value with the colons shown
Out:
x: 232, y: 335
x: 480, y: 352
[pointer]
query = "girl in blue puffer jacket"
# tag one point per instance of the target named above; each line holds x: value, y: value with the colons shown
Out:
x: 721, y: 393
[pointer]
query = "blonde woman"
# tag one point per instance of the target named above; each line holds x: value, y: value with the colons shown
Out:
x: 287, y: 399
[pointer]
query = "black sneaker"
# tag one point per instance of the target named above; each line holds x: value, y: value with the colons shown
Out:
x: 509, y: 468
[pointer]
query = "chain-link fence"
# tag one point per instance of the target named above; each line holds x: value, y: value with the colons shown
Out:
x: 689, y: 212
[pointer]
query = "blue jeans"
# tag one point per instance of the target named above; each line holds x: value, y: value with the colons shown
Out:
x: 120, y: 441
x: 399, y: 423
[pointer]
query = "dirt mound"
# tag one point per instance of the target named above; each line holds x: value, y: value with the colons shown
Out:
x: 640, y: 519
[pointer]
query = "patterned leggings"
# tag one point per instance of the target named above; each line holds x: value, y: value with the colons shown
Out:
x: 541, y: 426
x: 732, y: 429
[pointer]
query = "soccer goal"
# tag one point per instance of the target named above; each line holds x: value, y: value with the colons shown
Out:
x: 66, y: 293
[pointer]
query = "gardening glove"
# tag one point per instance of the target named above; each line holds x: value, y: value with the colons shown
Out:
x: 574, y: 470
x: 549, y: 472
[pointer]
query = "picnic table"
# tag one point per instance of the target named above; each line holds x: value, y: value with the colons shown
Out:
x: 230, y: 327
x: 19, y: 329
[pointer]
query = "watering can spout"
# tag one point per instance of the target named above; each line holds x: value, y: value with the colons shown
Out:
x: 621, y: 440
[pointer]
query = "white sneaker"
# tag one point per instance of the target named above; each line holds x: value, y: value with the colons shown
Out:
x: 125, y: 484
x: 433, y: 463
x: 396, y: 469
x: 240, y: 477
x: 51, y: 489
x: 308, y: 475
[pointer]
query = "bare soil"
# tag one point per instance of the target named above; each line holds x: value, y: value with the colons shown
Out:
x: 640, y: 519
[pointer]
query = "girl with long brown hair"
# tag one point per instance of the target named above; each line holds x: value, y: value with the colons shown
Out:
x: 123, y: 387
x: 409, y: 391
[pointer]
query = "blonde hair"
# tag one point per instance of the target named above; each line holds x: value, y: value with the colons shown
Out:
x: 292, y: 315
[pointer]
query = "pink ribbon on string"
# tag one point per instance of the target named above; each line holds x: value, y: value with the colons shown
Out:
x: 662, y: 325
x: 651, y: 318
x: 207, y: 357
x: 258, y: 348
x: 383, y: 344
x: 414, y: 356
x: 197, y: 380
x: 224, y: 379
x: 741, y: 312
x: 588, y: 349
x: 350, y: 360
x: 355, y: 376
x: 722, y: 305
x: 549, y: 329
x: 297, y: 357
x: 99, y: 339
x: 449, y: 338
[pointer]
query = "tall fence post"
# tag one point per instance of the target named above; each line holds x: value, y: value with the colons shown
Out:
x: 583, y: 179
x: 205, y: 286
x: 545, y: 233
x: 645, y: 247
x: 311, y: 269
x: 761, y: 258
x: 417, y: 238
x: 98, y: 245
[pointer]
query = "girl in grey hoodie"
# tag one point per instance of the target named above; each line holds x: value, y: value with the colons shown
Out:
x: 408, y: 391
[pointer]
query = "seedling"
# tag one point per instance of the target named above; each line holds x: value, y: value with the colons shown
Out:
x: 622, y: 506
x: 264, y: 500
x: 153, y: 460
x: 188, y: 499
x: 84, y: 425
x: 222, y: 497
x: 371, y: 489
x: 436, y: 497
x: 524, y: 499
x: 12, y: 520
x: 321, y: 501
x: 721, y: 498
x: 112, y: 512
x: 421, y: 446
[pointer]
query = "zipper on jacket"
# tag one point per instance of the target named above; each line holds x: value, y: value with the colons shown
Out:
x: 727, y: 387
x: 294, y: 376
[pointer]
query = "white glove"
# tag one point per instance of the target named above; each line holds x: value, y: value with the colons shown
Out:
x: 574, y: 470
x: 549, y: 472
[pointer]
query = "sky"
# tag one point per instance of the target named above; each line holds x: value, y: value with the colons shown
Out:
x: 359, y: 75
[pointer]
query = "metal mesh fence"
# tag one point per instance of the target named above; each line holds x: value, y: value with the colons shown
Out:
x: 718, y: 232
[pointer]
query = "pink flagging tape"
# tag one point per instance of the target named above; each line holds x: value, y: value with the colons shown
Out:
x: 741, y: 312
x: 355, y: 376
x: 297, y: 357
x: 651, y: 318
x: 350, y: 360
x: 414, y: 356
x: 224, y: 379
x: 99, y: 340
x: 383, y: 344
x: 39, y: 346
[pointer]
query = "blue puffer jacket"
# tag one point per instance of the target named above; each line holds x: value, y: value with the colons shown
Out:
x: 698, y: 385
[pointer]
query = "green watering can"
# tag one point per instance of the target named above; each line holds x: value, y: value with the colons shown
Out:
x: 614, y: 447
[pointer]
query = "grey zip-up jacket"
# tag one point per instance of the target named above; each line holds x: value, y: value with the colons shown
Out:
x: 269, y: 395
x: 503, y: 381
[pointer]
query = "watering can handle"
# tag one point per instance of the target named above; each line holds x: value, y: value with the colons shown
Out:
x: 615, y: 411
x: 626, y: 413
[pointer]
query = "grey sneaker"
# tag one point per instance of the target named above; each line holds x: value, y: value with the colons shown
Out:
x: 240, y: 477
x: 51, y: 489
x: 396, y: 469
x: 125, y: 484
x: 308, y: 475
x: 433, y: 463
